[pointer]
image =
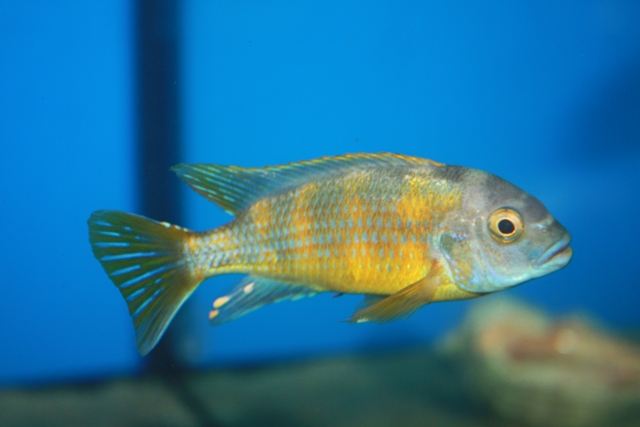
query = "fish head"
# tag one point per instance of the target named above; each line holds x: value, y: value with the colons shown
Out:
x: 501, y: 237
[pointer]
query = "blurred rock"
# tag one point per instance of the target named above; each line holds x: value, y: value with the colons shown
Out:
x: 535, y: 370
x: 508, y: 365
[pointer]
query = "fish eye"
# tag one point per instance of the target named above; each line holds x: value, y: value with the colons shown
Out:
x: 505, y: 225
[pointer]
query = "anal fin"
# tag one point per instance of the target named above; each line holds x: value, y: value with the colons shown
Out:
x: 403, y: 303
x: 252, y: 293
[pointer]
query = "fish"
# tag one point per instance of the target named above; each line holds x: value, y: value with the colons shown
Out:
x: 403, y: 231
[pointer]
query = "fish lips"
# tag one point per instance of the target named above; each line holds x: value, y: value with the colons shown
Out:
x: 556, y: 256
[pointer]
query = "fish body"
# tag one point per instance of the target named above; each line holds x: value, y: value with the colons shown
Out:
x: 403, y: 231
x: 366, y: 232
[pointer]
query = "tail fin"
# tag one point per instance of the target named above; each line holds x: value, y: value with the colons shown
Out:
x: 147, y: 262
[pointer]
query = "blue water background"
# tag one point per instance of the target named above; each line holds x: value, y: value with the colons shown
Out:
x: 546, y: 95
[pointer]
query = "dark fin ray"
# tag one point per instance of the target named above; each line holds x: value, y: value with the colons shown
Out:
x: 252, y: 293
x: 235, y: 188
x: 402, y: 304
x: 146, y: 261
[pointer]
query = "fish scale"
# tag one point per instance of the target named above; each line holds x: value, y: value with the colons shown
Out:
x: 328, y: 236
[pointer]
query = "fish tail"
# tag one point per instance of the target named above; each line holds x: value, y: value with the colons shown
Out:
x: 149, y: 263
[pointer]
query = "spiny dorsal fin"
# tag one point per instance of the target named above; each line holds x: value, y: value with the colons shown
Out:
x: 234, y: 188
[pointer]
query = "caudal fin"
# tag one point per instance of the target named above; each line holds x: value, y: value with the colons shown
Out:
x: 147, y: 262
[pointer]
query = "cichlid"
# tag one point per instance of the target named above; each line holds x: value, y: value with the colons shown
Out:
x: 404, y: 231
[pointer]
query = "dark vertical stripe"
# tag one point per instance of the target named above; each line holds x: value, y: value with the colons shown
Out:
x: 158, y: 95
x: 158, y: 32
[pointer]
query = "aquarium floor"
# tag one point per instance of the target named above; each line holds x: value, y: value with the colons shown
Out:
x: 410, y: 388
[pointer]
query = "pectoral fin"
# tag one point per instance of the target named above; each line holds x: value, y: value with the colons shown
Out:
x: 402, y: 304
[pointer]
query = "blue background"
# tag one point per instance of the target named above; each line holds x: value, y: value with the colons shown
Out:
x: 544, y: 95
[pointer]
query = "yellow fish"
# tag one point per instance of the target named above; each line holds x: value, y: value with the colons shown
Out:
x: 404, y: 231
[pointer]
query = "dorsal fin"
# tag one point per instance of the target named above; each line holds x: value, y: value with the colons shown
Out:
x: 234, y: 188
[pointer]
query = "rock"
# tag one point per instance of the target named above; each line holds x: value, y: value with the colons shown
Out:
x: 539, y: 371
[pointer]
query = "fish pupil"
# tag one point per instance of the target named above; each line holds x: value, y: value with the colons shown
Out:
x: 506, y: 227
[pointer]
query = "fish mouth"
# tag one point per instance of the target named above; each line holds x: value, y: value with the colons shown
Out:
x: 557, y: 255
